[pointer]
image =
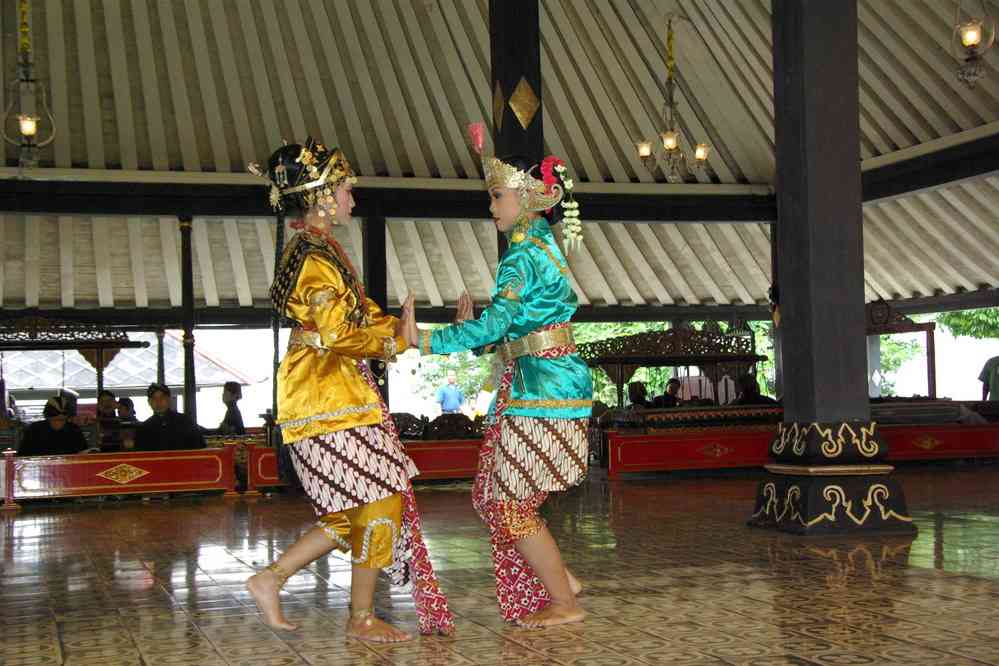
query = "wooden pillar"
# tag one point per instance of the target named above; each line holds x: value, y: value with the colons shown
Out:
x: 160, y: 357
x: 827, y: 452
x: 515, y: 59
x: 100, y: 371
x: 187, y: 307
x: 376, y: 280
x: 931, y: 364
x: 873, y: 365
x: 820, y: 256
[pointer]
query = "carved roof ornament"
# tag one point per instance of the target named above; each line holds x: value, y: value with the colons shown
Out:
x: 674, y: 346
x: 883, y: 319
x: 39, y: 333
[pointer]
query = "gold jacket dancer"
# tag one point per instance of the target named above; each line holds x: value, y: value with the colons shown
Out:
x: 342, y: 440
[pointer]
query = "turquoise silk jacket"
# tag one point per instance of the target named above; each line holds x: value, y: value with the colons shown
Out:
x: 532, y: 290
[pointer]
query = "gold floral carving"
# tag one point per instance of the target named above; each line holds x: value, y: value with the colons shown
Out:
x: 832, y: 443
x: 524, y: 102
x: 123, y: 473
x: 877, y: 495
x: 927, y: 443
x: 715, y: 450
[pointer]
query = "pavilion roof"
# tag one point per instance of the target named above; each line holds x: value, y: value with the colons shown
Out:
x: 395, y: 83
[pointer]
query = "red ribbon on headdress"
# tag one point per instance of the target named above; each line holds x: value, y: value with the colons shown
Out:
x: 477, y: 135
x: 548, y: 172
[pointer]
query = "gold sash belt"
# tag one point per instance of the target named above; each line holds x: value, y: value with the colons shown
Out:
x: 535, y: 343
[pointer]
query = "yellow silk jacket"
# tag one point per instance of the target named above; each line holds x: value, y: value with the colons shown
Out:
x: 320, y: 387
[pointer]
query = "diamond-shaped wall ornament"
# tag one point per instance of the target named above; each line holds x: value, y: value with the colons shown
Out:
x: 498, y: 104
x: 524, y: 102
x: 123, y: 473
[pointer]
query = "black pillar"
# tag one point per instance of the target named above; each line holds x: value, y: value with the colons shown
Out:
x: 829, y: 459
x: 515, y: 57
x: 376, y: 280
x: 160, y: 357
x: 187, y: 307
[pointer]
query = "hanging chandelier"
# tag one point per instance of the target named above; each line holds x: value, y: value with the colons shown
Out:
x: 27, y: 97
x: 666, y: 150
x: 971, y: 39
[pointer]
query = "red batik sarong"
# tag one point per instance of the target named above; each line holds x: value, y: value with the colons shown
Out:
x: 519, y: 591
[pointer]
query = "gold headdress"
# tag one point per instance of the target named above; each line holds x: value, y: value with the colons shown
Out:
x: 305, y: 176
x: 536, y: 195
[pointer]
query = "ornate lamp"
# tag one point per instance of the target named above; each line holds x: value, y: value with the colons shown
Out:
x: 972, y: 38
x: 671, y: 155
x: 27, y: 98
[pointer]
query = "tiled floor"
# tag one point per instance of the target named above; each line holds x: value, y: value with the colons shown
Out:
x: 672, y: 576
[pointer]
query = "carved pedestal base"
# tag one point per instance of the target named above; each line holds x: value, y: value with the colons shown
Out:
x: 831, y: 503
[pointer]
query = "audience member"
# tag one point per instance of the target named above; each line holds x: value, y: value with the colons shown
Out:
x: 232, y: 424
x: 126, y: 410
x: 671, y: 397
x: 749, y: 392
x: 56, y: 435
x: 637, y: 396
x: 449, y: 396
x: 166, y: 429
x: 989, y: 377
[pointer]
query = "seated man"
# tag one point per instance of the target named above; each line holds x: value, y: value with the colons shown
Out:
x: 56, y: 435
x: 637, y: 396
x: 107, y: 420
x: 749, y: 392
x: 126, y: 411
x: 671, y: 398
x: 232, y: 423
x: 166, y: 429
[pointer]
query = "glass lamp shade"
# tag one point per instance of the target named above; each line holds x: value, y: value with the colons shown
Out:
x: 971, y: 34
x: 701, y: 152
x: 28, y: 125
x: 644, y: 149
x: 671, y: 139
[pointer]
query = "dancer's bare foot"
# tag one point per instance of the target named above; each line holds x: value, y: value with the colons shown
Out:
x: 574, y: 584
x: 266, y: 590
x: 367, y: 627
x: 553, y: 614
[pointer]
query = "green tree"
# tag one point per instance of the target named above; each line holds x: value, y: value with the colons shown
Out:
x: 980, y: 323
x: 894, y: 353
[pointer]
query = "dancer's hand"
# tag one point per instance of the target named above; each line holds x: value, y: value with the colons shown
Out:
x: 406, y: 326
x: 466, y: 309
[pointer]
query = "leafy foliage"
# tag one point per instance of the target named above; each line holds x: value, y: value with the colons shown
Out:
x: 894, y: 353
x: 981, y: 323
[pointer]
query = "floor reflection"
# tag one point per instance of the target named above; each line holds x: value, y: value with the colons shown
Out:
x: 672, y: 576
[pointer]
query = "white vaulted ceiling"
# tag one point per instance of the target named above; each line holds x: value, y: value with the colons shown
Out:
x: 204, y: 86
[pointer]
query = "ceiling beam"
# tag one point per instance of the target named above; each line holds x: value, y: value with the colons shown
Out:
x: 4, y: 221
x: 67, y: 283
x: 32, y: 260
x: 266, y: 243
x: 135, y: 254
x: 635, y: 255
x: 260, y: 317
x: 240, y: 275
x: 102, y: 261
x: 87, y: 197
x: 442, y: 243
x: 923, y: 172
x: 394, y: 267
x: 423, y: 264
x: 478, y: 257
x: 206, y: 265
x: 171, y: 259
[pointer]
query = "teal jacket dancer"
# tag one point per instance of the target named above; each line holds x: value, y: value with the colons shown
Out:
x: 531, y: 291
x: 536, y: 442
